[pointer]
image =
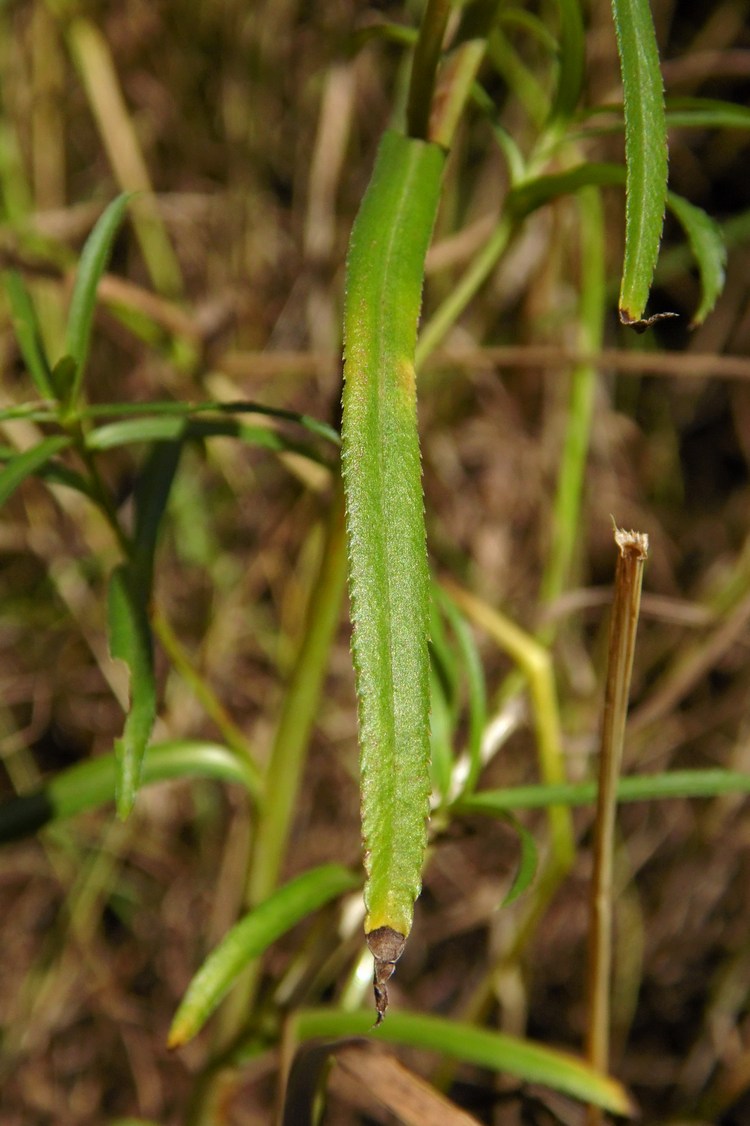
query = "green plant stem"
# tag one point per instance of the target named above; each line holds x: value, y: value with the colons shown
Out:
x: 478, y: 272
x: 567, y: 506
x: 287, y: 760
x: 232, y: 735
x: 628, y: 578
x: 536, y: 665
x: 424, y: 67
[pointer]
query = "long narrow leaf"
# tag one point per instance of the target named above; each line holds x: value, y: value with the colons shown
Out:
x: 645, y: 153
x: 130, y: 641
x: 93, y: 263
x: 91, y: 784
x: 249, y: 938
x: 388, y: 577
x: 510, y: 1055
x: 707, y: 244
x: 646, y: 787
x: 28, y: 333
x: 26, y: 464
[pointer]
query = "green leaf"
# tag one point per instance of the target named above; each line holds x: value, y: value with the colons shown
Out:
x: 28, y: 332
x: 63, y: 379
x: 473, y: 671
x: 151, y: 495
x: 249, y: 938
x: 28, y: 463
x: 571, y: 53
x: 645, y: 154
x: 176, y: 427
x: 707, y: 244
x: 707, y: 113
x: 643, y: 787
x: 92, y: 265
x: 496, y: 1051
x: 527, y: 864
x: 91, y: 784
x: 130, y: 641
x: 388, y: 577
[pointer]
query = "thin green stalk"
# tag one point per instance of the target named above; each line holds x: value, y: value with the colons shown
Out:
x: 232, y: 735
x: 536, y: 664
x: 424, y: 67
x: 478, y: 272
x: 287, y: 761
x: 567, y: 506
x: 627, y: 597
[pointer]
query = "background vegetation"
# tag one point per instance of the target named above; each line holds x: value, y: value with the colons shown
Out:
x: 256, y: 126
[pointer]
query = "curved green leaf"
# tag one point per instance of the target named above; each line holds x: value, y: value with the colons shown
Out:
x: 645, y: 787
x: 176, y: 427
x: 571, y: 52
x: 707, y: 245
x: 527, y: 864
x: 645, y: 154
x: 130, y: 641
x: 388, y: 577
x: 91, y: 784
x: 707, y: 113
x: 92, y: 265
x: 497, y: 1051
x: 28, y: 333
x: 26, y: 464
x: 249, y: 938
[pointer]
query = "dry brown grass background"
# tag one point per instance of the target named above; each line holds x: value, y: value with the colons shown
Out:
x: 257, y: 125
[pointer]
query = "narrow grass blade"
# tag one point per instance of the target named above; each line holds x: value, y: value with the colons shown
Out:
x: 707, y: 245
x: 527, y: 864
x: 130, y: 641
x: 571, y: 53
x: 707, y: 113
x: 151, y: 495
x: 633, y: 550
x: 530, y: 1062
x: 91, y: 784
x: 645, y: 154
x: 28, y: 333
x: 249, y: 938
x: 640, y: 787
x: 388, y: 576
x: 26, y: 464
x: 92, y: 265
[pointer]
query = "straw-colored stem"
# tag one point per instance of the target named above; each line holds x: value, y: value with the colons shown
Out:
x: 628, y: 578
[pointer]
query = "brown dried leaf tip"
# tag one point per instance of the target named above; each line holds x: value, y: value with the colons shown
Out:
x: 640, y: 324
x: 386, y: 946
x: 631, y: 543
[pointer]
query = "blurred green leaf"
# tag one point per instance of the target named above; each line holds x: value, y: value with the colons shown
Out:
x: 130, y: 641
x: 28, y: 332
x: 249, y: 938
x: 645, y: 787
x: 91, y: 784
x: 28, y: 463
x: 151, y: 495
x: 497, y: 1051
x: 707, y: 245
x: 571, y: 54
x: 473, y: 671
x: 176, y: 427
x: 92, y: 265
x: 63, y: 379
x: 707, y: 113
x: 527, y: 864
x: 645, y: 154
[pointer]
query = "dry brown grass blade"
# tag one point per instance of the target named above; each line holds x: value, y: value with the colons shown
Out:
x: 627, y: 596
x: 412, y: 1100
